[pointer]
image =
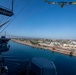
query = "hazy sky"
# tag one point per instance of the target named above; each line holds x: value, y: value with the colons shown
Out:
x: 42, y: 20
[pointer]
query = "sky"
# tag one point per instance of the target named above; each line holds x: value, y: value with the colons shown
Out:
x: 41, y: 20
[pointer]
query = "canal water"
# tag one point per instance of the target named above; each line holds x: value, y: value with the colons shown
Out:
x: 65, y: 65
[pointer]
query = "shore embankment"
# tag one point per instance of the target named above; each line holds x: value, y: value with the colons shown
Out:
x: 54, y: 49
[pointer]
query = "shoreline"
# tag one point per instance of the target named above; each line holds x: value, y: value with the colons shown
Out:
x: 62, y: 51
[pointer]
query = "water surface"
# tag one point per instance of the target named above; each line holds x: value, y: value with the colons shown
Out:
x: 66, y: 65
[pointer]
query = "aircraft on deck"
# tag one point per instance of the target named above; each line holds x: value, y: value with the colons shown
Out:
x: 60, y: 3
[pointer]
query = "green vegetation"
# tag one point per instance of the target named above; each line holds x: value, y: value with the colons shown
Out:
x: 34, y: 42
x: 71, y: 53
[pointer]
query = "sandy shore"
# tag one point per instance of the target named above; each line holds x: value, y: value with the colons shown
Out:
x: 60, y: 50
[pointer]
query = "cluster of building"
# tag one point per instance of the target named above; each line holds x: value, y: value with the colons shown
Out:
x: 67, y: 45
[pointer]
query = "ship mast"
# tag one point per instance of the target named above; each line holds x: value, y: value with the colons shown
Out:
x: 3, y: 40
